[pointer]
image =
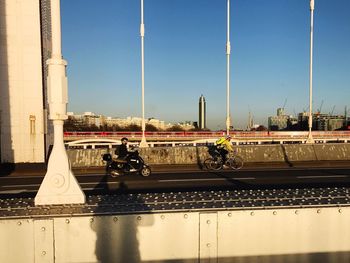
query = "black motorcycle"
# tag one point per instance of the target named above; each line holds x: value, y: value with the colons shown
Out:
x: 133, y: 163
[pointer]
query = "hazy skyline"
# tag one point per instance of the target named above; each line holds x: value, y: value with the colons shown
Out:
x: 185, y: 57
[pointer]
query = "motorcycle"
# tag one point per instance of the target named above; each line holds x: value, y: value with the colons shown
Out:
x: 132, y: 164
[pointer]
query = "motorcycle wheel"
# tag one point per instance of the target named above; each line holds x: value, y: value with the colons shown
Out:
x: 114, y: 173
x: 145, y: 171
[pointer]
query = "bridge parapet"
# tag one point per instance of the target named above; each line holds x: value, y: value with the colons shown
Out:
x: 196, y: 155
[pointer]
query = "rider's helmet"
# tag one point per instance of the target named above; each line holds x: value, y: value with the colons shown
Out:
x: 124, y: 139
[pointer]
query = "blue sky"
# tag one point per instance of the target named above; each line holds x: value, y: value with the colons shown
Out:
x: 185, y: 57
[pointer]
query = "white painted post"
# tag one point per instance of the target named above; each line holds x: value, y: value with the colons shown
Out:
x: 59, y: 185
x: 312, y: 7
x: 228, y: 52
x: 143, y: 142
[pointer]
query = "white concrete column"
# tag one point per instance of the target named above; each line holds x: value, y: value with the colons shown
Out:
x: 59, y: 185
x: 312, y: 7
x: 143, y: 142
x: 228, y: 52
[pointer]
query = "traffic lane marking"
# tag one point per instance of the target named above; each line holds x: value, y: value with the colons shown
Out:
x: 207, y: 179
x: 322, y: 176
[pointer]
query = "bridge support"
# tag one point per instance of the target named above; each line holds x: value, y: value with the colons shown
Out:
x: 254, y: 235
x: 59, y: 185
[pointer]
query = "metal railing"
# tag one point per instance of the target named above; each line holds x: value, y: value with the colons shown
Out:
x: 292, y: 139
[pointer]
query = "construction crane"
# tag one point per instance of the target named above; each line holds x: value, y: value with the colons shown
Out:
x: 295, y: 114
x: 331, y: 113
x: 284, y: 104
x: 320, y: 108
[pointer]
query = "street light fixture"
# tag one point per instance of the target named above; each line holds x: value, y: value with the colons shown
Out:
x: 143, y: 142
x: 228, y: 52
x: 312, y: 7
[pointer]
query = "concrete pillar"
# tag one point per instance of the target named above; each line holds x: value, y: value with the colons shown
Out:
x: 59, y: 185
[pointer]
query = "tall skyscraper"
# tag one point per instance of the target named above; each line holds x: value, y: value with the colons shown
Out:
x: 202, y: 113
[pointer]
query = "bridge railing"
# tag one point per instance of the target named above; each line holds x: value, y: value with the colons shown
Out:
x: 111, y: 143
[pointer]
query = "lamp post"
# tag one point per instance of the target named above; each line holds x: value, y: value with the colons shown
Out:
x: 59, y: 185
x: 228, y: 52
x: 312, y: 7
x: 143, y: 142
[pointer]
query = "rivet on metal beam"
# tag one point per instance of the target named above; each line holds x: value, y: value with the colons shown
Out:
x: 340, y: 211
x: 208, y: 222
x: 208, y: 245
x: 229, y: 214
x: 43, y: 253
x: 91, y: 219
x: 67, y: 221
x: 19, y: 223
x: 43, y: 229
x: 139, y: 218
x: 318, y: 211
x: 274, y: 213
x: 296, y: 212
x: 185, y: 216
x: 115, y: 219
x: 162, y: 216
x: 251, y: 213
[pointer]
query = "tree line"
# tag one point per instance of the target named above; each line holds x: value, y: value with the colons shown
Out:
x: 71, y: 125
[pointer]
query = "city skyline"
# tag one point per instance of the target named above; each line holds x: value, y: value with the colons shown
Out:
x: 185, y: 57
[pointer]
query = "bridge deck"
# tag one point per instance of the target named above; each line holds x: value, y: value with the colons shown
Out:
x: 181, y: 201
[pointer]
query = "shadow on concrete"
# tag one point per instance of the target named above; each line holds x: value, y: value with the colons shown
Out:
x: 25, y: 169
x: 199, y: 162
x: 46, y: 50
x: 326, y: 257
x: 117, y: 234
x: 7, y: 169
x: 285, y: 156
x: 6, y: 151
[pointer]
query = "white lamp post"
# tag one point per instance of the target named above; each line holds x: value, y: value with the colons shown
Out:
x: 228, y: 52
x: 59, y: 185
x: 312, y: 7
x: 143, y: 142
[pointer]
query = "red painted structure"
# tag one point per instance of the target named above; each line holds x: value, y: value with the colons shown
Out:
x: 192, y: 135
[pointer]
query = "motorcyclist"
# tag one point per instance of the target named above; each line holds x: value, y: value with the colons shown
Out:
x: 224, y: 146
x: 123, y: 153
x: 122, y: 150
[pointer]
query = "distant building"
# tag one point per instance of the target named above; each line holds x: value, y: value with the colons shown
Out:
x: 202, y: 113
x: 157, y: 123
x: 187, y: 125
x: 279, y: 122
x: 89, y: 119
x: 321, y: 121
x: 327, y: 122
x: 250, y: 125
x: 303, y: 118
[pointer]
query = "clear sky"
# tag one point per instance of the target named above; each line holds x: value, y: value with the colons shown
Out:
x: 185, y: 57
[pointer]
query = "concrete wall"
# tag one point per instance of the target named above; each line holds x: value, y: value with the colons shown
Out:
x: 249, y: 153
x: 301, y: 235
x: 21, y: 99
